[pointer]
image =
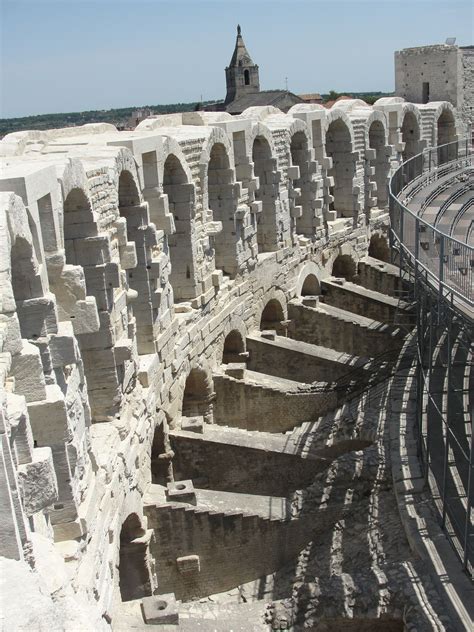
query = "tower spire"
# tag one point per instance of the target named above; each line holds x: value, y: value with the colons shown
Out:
x: 241, y: 74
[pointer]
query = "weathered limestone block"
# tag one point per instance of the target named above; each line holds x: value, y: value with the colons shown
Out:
x: 38, y: 316
x: 63, y: 347
x: 19, y: 427
x: 37, y: 481
x: 49, y: 417
x: 188, y: 564
x: 69, y: 288
x: 28, y: 373
x: 128, y: 256
x: 86, y: 316
x: 160, y: 609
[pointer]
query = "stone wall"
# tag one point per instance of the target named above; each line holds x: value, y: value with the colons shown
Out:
x: 114, y: 289
x: 222, y: 456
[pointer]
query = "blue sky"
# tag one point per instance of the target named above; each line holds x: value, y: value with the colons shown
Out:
x: 70, y: 55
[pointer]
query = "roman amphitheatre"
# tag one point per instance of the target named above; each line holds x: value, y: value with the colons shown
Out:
x: 236, y: 371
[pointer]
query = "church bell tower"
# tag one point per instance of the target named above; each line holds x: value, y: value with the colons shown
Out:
x: 241, y: 74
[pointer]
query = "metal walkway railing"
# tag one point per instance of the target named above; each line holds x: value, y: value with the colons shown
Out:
x: 448, y: 262
x: 441, y: 269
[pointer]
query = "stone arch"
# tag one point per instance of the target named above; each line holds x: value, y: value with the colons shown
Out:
x: 220, y: 195
x: 134, y: 573
x: 20, y: 276
x: 198, y: 394
x: 379, y: 248
x: 410, y: 131
x: 235, y: 323
x: 261, y: 112
x: 377, y: 141
x: 265, y: 169
x: 79, y: 224
x: 181, y: 197
x: 344, y: 266
x: 234, y: 347
x: 444, y: 132
x: 311, y: 286
x: 128, y: 192
x: 273, y: 312
x: 301, y: 157
x: 339, y: 146
x: 308, y: 269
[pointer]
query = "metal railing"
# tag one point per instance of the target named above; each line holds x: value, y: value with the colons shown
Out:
x: 441, y: 270
x: 448, y: 262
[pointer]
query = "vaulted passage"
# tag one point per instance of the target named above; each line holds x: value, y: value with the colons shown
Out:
x: 234, y: 348
x: 378, y: 248
x: 272, y: 317
x: 197, y: 396
x: 133, y: 569
x: 311, y: 286
x: 344, y: 266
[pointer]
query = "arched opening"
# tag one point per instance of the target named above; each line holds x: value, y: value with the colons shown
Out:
x: 381, y: 163
x: 26, y: 282
x: 246, y: 77
x: 311, y: 286
x: 267, y: 191
x: 134, y: 575
x: 47, y: 224
x: 197, y: 396
x: 138, y: 278
x: 446, y: 128
x: 78, y: 224
x: 344, y: 267
x: 181, y: 200
x: 234, y: 348
x: 339, y: 148
x: 272, y: 317
x: 221, y: 202
x: 378, y: 248
x: 410, y: 136
x: 127, y: 190
x: 300, y: 157
x: 160, y: 461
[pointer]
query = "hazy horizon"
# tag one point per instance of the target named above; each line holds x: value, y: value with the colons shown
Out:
x: 62, y: 56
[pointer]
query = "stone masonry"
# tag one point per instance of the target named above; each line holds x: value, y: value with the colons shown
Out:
x: 174, y: 299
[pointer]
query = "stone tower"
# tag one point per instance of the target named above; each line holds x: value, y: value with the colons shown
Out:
x: 241, y: 74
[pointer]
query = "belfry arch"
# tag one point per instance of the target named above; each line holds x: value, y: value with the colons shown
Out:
x: 339, y: 148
